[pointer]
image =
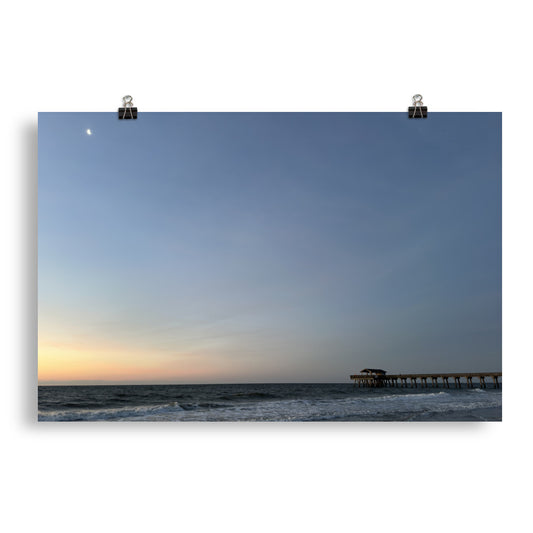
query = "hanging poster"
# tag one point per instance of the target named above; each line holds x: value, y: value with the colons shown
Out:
x: 270, y: 267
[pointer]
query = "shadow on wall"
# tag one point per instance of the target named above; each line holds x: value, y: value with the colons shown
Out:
x: 28, y: 277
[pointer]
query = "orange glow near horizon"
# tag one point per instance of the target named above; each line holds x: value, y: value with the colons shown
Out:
x: 67, y: 362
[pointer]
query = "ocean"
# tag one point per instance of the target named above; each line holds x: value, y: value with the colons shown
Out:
x: 272, y: 402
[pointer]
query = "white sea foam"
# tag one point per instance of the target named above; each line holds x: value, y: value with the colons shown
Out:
x: 117, y: 413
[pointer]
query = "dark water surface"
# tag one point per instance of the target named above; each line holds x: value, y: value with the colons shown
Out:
x: 265, y: 402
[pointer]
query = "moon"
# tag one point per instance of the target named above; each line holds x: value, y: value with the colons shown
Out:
x: 88, y: 132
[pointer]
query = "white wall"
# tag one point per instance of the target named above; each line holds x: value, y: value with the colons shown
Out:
x: 272, y: 55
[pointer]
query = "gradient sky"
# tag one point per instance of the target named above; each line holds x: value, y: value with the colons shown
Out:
x: 267, y: 247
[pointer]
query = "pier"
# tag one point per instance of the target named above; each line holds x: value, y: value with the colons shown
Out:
x: 370, y: 378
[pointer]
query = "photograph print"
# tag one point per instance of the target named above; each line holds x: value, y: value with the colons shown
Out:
x: 270, y: 267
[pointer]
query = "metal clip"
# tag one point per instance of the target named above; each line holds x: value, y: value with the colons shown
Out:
x: 418, y: 110
x: 128, y: 111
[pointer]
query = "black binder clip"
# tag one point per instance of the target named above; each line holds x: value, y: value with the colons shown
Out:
x: 418, y: 110
x: 128, y: 111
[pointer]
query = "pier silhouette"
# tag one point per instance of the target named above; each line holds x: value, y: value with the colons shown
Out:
x: 379, y: 378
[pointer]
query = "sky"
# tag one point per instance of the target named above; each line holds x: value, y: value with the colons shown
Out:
x: 267, y: 247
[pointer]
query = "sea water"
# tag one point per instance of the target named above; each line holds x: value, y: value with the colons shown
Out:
x: 266, y: 402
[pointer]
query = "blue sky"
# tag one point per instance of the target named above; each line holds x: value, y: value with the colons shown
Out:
x: 257, y: 247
